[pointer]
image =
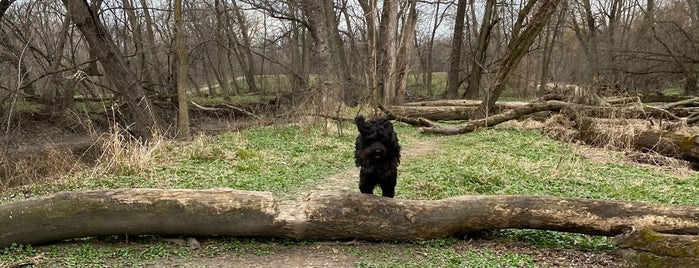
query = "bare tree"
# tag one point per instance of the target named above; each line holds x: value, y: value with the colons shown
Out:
x: 322, y: 24
x: 405, y: 48
x: 480, y: 53
x: 522, y: 38
x: 427, y: 51
x: 139, y: 109
x: 454, y: 75
x: 244, y: 44
x: 548, y: 48
x: 183, y: 111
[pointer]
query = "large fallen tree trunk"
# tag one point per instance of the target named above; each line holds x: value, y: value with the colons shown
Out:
x: 646, y: 248
x: 442, y: 111
x: 496, y: 119
x: 666, y: 143
x: 322, y: 215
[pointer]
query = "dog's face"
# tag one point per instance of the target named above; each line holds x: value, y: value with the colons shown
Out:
x: 377, y: 142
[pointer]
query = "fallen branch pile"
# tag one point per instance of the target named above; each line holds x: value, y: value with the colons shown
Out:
x: 627, y: 124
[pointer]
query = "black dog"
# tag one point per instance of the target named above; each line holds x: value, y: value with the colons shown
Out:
x: 377, y: 153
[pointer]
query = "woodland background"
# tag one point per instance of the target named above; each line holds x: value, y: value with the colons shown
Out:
x: 123, y: 55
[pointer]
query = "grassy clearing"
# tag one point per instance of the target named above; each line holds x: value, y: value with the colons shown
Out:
x: 513, y: 161
x: 292, y: 158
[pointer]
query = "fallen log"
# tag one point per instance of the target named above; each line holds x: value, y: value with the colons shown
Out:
x: 496, y: 119
x: 320, y: 215
x: 436, y: 103
x: 688, y: 102
x: 448, y: 109
x: 435, y: 112
x: 646, y: 248
x: 669, y: 144
x: 464, y: 110
x: 660, y: 97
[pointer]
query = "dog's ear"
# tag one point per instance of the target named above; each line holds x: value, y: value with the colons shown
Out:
x: 360, y: 121
x: 388, y: 126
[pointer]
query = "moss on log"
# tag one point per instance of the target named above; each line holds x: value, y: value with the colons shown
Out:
x: 647, y: 248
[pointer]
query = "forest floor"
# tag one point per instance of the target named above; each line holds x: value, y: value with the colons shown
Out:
x: 374, y: 254
x: 474, y: 251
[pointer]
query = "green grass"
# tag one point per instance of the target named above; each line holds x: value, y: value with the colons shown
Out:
x: 292, y: 158
x: 512, y: 161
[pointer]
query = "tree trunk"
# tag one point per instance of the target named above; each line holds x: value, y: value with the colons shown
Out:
x: 386, y: 43
x: 549, y: 41
x: 454, y: 74
x: 323, y: 28
x: 478, y: 64
x: 669, y: 144
x: 646, y: 248
x: 182, y: 68
x: 448, y: 109
x: 246, y: 60
x: 321, y: 215
x: 369, y: 10
x: 152, y: 69
x: 140, y: 111
x: 222, y: 73
x: 404, y: 53
x: 434, y: 112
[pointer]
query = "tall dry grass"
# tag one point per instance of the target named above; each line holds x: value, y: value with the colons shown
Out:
x: 22, y: 168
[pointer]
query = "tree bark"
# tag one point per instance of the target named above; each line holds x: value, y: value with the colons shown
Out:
x: 454, y: 74
x: 481, y: 51
x: 646, y: 248
x: 182, y: 68
x: 435, y: 112
x: 320, y: 215
x: 404, y: 55
x: 387, y: 60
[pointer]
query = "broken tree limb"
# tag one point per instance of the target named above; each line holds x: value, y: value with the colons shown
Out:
x: 687, y: 102
x: 496, y: 119
x: 320, y: 215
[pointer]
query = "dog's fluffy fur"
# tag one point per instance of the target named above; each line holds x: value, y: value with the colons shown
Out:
x: 377, y: 154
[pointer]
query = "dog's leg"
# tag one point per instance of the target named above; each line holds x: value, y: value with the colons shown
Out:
x: 366, y: 184
x: 388, y: 187
x: 366, y: 188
